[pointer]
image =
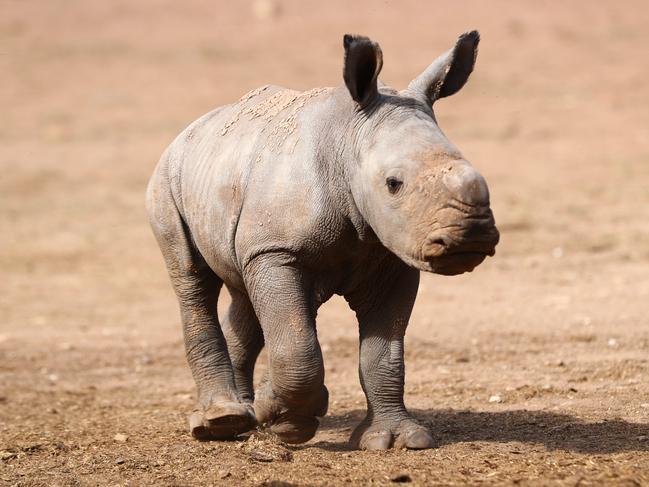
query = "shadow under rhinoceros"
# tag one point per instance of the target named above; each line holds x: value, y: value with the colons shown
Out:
x: 553, y: 430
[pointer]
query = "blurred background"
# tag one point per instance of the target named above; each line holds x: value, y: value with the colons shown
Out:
x: 555, y: 117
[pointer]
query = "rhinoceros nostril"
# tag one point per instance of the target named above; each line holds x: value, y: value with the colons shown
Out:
x: 435, y: 246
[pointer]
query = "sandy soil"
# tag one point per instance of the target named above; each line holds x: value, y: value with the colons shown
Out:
x: 532, y: 370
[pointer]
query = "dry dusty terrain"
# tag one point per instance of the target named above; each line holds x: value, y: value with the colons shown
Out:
x: 556, y: 325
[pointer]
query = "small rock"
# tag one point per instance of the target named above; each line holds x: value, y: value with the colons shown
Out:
x: 120, y: 437
x: 6, y: 455
x: 612, y: 343
x: 495, y: 398
x: 561, y: 363
x: 261, y: 456
x: 645, y: 405
x: 146, y: 359
x: 557, y: 252
x: 401, y: 478
x: 52, y: 377
x: 119, y: 461
x: 643, y: 438
x: 224, y: 474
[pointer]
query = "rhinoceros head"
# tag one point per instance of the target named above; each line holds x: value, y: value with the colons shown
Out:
x: 423, y: 200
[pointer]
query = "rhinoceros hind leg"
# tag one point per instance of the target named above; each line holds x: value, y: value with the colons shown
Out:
x: 221, y: 412
x: 245, y: 340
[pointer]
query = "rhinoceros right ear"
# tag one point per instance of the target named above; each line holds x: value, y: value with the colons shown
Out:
x: 450, y: 71
x: 363, y: 63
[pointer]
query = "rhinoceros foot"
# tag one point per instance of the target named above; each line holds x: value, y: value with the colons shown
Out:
x: 377, y: 434
x: 290, y: 421
x: 221, y: 421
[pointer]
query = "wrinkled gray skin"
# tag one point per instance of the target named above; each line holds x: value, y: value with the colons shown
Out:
x: 288, y: 198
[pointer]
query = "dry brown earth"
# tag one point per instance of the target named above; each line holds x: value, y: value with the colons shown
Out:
x: 556, y: 325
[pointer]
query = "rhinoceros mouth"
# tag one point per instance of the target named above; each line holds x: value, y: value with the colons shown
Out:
x: 452, y: 263
x: 457, y: 262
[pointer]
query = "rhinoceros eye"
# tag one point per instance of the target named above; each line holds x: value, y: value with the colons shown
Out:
x: 393, y: 184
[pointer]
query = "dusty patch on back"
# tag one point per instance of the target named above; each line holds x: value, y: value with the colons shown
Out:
x: 271, y: 109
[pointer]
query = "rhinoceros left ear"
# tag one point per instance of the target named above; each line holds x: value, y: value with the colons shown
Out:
x: 363, y: 63
x: 448, y: 73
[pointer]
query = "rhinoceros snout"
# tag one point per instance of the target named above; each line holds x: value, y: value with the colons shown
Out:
x: 460, y: 248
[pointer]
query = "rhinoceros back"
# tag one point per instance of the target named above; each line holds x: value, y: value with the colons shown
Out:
x: 250, y: 146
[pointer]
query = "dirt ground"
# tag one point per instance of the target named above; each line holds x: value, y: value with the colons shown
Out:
x: 532, y: 370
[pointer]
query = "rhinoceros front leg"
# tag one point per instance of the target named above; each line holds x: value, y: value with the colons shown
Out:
x: 293, y: 395
x: 383, y: 312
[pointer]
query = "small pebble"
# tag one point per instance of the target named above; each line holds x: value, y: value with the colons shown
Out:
x: 119, y: 461
x: 401, y: 478
x: 261, y: 456
x: 6, y: 455
x: 146, y: 359
x: 120, y: 437
x: 612, y: 343
x: 495, y: 398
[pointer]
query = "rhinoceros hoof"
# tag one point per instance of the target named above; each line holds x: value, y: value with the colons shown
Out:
x: 222, y: 421
x: 291, y: 428
x: 290, y: 421
x: 382, y: 435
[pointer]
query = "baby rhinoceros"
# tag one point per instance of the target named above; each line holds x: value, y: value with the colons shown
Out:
x: 290, y: 197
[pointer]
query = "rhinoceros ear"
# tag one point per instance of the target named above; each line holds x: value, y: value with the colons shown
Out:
x: 450, y: 71
x: 363, y: 63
